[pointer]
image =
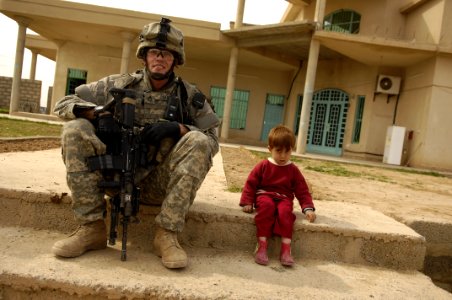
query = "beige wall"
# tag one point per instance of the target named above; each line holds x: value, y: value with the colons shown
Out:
x: 357, y: 79
x: 377, y: 19
x: 103, y: 61
x: 423, y: 25
x: 446, y: 32
x: 99, y: 61
x: 259, y: 82
x: 414, y: 106
x: 425, y: 108
x: 424, y: 105
x: 436, y: 150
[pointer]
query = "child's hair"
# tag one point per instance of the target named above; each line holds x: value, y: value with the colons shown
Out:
x: 281, y: 137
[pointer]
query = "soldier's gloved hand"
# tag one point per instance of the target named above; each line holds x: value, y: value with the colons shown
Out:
x: 152, y: 134
x: 106, y: 123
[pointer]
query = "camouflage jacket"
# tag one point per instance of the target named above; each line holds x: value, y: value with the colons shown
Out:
x: 151, y: 106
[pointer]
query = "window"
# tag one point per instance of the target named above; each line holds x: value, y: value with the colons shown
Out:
x: 239, y: 106
x: 75, y: 78
x: 358, y: 119
x: 346, y: 21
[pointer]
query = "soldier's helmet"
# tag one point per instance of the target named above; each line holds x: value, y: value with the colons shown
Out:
x: 162, y: 35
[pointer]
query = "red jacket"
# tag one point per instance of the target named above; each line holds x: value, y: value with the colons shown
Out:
x: 281, y: 182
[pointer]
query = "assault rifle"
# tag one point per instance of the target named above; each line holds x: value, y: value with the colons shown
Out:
x: 124, y: 154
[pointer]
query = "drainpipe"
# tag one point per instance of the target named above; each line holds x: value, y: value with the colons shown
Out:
x: 18, y: 64
x: 232, y: 75
x: 310, y: 79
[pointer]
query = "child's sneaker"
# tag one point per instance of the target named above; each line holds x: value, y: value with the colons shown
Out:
x: 261, y: 253
x: 285, y: 257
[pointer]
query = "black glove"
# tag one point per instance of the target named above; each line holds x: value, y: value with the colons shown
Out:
x: 106, y: 124
x: 152, y: 134
x: 108, y: 131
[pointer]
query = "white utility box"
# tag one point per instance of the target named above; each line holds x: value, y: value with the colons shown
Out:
x: 395, y: 140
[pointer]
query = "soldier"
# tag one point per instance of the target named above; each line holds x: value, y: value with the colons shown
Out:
x: 174, y: 181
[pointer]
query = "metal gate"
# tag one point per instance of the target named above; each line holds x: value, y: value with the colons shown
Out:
x: 274, y: 110
x: 327, y: 122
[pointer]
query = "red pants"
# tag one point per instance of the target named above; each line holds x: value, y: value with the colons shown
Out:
x: 274, y: 216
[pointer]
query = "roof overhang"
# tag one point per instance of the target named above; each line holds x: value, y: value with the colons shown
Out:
x: 376, y: 51
x: 279, y: 46
x: 288, y: 42
x: 41, y: 46
x: 61, y: 21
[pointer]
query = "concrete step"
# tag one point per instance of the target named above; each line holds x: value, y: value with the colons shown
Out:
x: 372, y: 239
x: 36, y: 196
x: 29, y: 271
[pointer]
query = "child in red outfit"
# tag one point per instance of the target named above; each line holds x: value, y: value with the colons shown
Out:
x: 271, y: 187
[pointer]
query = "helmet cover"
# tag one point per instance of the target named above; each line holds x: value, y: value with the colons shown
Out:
x: 162, y: 35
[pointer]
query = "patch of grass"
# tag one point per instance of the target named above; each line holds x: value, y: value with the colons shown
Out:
x: 336, y: 169
x: 333, y: 169
x: 260, y: 154
x: 419, y: 172
x: 235, y: 189
x: 4, y: 110
x: 20, y: 128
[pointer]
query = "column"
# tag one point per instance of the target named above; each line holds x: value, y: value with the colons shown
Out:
x: 310, y: 80
x: 232, y: 75
x: 128, y: 37
x: 18, y: 64
x: 34, y: 59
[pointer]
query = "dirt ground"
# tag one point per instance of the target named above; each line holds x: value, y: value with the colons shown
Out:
x: 35, y: 144
x: 398, y: 194
x: 390, y: 191
x: 395, y: 193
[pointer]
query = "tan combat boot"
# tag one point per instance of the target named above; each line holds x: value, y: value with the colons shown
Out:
x: 167, y: 247
x: 91, y: 236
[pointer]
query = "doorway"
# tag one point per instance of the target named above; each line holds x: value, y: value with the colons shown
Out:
x: 327, y: 122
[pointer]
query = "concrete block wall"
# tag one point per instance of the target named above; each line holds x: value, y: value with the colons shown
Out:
x: 30, y: 94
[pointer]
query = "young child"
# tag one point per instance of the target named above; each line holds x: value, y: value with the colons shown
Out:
x: 271, y: 187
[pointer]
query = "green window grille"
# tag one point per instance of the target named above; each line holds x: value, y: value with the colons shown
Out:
x: 239, y: 106
x: 275, y: 99
x: 358, y: 119
x: 298, y: 113
x: 75, y: 78
x: 218, y: 95
x: 346, y: 21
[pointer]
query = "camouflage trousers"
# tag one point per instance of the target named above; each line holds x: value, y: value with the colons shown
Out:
x: 172, y: 184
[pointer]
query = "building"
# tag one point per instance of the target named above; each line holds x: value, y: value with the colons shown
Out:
x: 367, y: 79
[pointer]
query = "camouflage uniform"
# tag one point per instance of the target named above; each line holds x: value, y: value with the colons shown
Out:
x: 173, y: 183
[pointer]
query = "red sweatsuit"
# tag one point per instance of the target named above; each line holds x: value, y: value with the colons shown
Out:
x: 271, y: 189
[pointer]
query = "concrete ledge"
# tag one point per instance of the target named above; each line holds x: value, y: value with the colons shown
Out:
x: 372, y: 239
x: 29, y: 271
x: 36, y: 195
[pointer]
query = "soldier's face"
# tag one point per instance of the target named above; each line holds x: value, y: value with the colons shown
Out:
x: 159, y: 61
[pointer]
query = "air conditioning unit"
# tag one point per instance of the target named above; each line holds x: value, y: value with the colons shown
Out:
x: 388, y: 84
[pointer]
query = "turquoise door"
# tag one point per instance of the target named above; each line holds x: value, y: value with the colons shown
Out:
x: 327, y: 122
x: 274, y: 110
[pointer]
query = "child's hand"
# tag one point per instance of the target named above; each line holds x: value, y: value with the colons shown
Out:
x: 248, y: 208
x: 310, y: 215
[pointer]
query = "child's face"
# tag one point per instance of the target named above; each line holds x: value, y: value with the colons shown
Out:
x: 281, y: 155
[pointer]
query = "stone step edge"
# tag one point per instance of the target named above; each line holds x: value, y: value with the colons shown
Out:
x: 230, y: 229
x: 27, y: 270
